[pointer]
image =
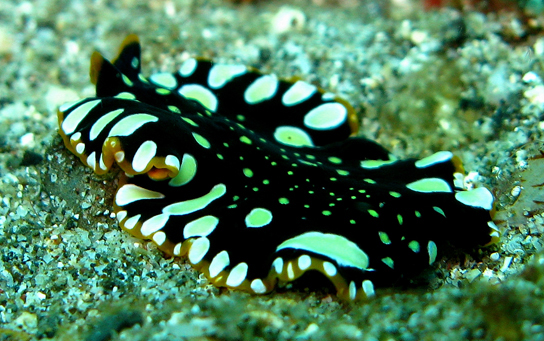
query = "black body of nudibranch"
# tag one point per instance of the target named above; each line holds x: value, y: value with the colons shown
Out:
x: 256, y: 180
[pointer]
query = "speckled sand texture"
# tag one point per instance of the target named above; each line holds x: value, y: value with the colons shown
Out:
x: 422, y: 81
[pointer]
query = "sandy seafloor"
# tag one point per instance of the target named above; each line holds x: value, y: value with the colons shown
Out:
x: 422, y: 81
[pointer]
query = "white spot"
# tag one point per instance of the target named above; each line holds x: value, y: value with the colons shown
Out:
x: 433, y: 251
x: 290, y: 271
x: 200, y: 227
x: 328, y: 96
x: 198, y: 250
x: 278, y: 265
x: 165, y: 80
x: 368, y: 288
x: 326, y: 116
x: 434, y: 159
x: 293, y: 136
x: 121, y: 215
x: 145, y: 153
x: 352, y: 290
x: 429, y: 185
x: 102, y: 122
x: 186, y: 172
x: 188, y: 67
x: 101, y: 163
x: 258, y: 286
x: 262, y: 89
x: 177, y: 249
x: 129, y: 193
x: 219, y: 263
x: 77, y: 115
x: 329, y: 269
x: 154, y: 224
x: 130, y: 124
x: 258, y: 217
x: 172, y: 161
x: 80, y: 148
x: 297, y: 93
x: 193, y: 205
x: 221, y: 74
x: 159, y: 238
x: 131, y: 222
x: 75, y: 137
x: 304, y: 262
x: 237, y: 275
x: 119, y: 156
x: 336, y: 247
x: 91, y: 160
x: 200, y: 94
x: 479, y: 197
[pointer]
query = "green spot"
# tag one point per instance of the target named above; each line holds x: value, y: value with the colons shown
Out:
x: 399, y: 218
x: 394, y: 194
x: 373, y: 213
x: 338, y: 199
x: 283, y: 201
x: 248, y: 172
x: 388, y: 261
x: 353, y: 197
x: 246, y: 140
x: 370, y: 181
x: 294, y: 165
x: 414, y: 246
x: 342, y: 172
x: 285, y: 157
x: 384, y: 238
x: 311, y: 157
x: 332, y: 205
x: 220, y: 157
x: 311, y: 192
x: 232, y: 206
x: 290, y: 173
x: 362, y: 191
x: 234, y: 198
x: 162, y: 91
x: 188, y: 120
x: 240, y: 118
x: 127, y: 81
x: 255, y: 189
x: 418, y: 214
x: 335, y: 160
x: 333, y: 179
x: 352, y: 222
x: 225, y: 144
x: 439, y: 210
x: 266, y: 182
x: 175, y: 109
x: 241, y: 158
x: 274, y: 163
x: 201, y: 140
x: 326, y: 213
x: 306, y: 206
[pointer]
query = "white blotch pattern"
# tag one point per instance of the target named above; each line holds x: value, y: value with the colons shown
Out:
x: 201, y: 227
x: 237, y: 275
x: 128, y: 125
x: 221, y: 74
x: 261, y: 89
x: 293, y: 136
x: 429, y: 185
x: 153, y: 224
x: 434, y: 159
x: 130, y: 193
x: 74, y: 118
x: 102, y: 122
x: 145, y: 153
x: 298, y: 93
x: 200, y: 94
x: 219, y: 263
x: 165, y: 80
x: 188, y: 67
x: 198, y: 250
x: 479, y: 197
x: 326, y: 116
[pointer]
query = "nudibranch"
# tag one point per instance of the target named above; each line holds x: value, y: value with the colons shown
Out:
x: 257, y: 180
